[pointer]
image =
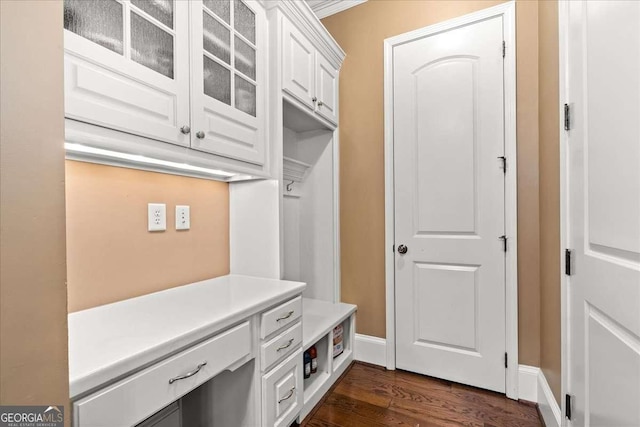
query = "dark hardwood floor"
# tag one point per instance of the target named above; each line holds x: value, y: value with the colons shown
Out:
x: 368, y: 395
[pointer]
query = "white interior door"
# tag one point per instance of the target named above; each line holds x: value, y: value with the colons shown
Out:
x: 604, y: 212
x: 448, y: 124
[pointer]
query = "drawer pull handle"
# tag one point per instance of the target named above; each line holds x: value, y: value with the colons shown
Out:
x: 286, y: 316
x: 188, y: 374
x: 288, y: 396
x: 286, y: 345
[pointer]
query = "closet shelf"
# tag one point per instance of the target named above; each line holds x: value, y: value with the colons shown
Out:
x: 320, y: 317
x: 294, y: 170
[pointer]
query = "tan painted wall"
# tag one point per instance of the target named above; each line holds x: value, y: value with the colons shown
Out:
x: 550, y: 337
x: 33, y: 296
x: 112, y: 256
x: 361, y: 31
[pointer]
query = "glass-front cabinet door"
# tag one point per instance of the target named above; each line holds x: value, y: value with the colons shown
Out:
x: 127, y: 66
x: 228, y: 78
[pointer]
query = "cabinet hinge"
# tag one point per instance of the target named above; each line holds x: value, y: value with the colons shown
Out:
x: 567, y: 262
x: 506, y: 361
x: 567, y: 117
x: 503, y: 159
x: 504, y: 242
x: 567, y: 406
x: 504, y: 48
x: 393, y: 248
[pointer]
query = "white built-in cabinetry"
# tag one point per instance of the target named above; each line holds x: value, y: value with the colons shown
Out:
x: 186, y: 73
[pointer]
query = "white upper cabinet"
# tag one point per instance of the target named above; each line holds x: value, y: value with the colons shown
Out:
x: 326, y: 89
x: 307, y: 75
x: 190, y: 73
x: 298, y: 71
x: 228, y: 78
x: 127, y: 66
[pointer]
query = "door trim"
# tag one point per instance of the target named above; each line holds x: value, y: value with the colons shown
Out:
x: 507, y: 12
x: 563, y: 141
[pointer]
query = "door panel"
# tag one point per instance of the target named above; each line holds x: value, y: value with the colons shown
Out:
x: 128, y: 74
x: 326, y: 89
x: 604, y: 212
x: 298, y: 75
x: 449, y: 205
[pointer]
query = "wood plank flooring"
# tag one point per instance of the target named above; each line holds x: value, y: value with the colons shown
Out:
x: 371, y: 396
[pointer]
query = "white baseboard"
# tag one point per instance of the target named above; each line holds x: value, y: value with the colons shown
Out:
x: 533, y: 386
x: 547, y: 403
x: 370, y: 350
x: 528, y: 383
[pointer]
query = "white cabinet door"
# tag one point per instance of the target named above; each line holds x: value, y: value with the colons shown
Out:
x: 127, y: 66
x: 228, y: 78
x: 298, y: 68
x: 326, y: 89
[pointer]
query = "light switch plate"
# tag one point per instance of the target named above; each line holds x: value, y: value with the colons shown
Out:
x: 157, y: 217
x: 183, y: 217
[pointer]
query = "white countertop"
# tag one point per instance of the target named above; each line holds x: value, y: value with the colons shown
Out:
x: 110, y: 341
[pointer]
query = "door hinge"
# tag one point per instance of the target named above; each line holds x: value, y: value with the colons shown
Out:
x: 504, y: 242
x: 506, y: 361
x: 567, y: 117
x: 393, y: 248
x: 503, y: 159
x: 567, y: 406
x: 567, y: 262
x: 504, y: 48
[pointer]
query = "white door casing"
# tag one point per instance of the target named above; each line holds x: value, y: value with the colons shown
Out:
x: 442, y: 263
x: 600, y: 158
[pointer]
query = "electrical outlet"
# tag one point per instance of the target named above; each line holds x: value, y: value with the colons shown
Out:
x: 183, y: 217
x: 157, y: 217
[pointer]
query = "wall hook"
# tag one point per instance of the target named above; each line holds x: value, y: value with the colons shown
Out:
x: 290, y: 185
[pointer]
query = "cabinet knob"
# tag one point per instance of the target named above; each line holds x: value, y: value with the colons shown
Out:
x: 200, y: 135
x: 185, y: 129
x: 314, y: 99
x: 320, y: 104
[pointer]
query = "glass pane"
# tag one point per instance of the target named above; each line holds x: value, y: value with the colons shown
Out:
x: 216, y: 39
x: 162, y: 10
x: 245, y: 58
x: 217, y: 81
x: 245, y: 96
x: 97, y: 20
x: 222, y: 8
x: 244, y: 21
x: 151, y: 46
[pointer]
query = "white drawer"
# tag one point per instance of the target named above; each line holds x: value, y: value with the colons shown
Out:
x: 281, y: 346
x: 135, y: 398
x: 281, y: 316
x: 282, y: 392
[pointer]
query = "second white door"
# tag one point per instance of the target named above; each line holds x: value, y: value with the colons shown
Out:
x: 449, y: 204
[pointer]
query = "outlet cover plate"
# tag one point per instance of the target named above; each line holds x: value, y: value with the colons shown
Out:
x: 157, y: 217
x: 183, y: 217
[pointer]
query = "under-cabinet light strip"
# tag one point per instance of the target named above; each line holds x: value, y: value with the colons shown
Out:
x: 79, y: 148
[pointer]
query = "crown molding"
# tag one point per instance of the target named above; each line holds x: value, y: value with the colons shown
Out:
x: 331, y: 7
x: 300, y: 13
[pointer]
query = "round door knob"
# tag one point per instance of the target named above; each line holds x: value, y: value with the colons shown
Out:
x: 185, y: 129
x: 200, y: 135
x: 402, y: 249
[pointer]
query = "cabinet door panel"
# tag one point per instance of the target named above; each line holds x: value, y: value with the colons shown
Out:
x: 126, y: 69
x: 326, y: 89
x: 228, y: 78
x: 298, y: 67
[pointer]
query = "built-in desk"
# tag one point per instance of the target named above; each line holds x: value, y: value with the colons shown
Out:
x: 131, y: 359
